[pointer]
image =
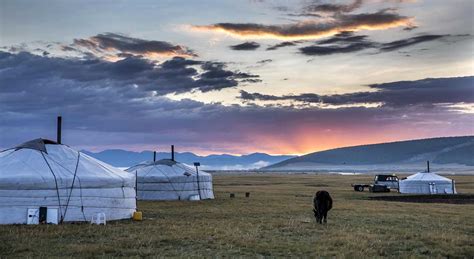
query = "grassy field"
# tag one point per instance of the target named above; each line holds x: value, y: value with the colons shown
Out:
x: 276, y: 221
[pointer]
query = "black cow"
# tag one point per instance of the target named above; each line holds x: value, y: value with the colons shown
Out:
x: 322, y: 203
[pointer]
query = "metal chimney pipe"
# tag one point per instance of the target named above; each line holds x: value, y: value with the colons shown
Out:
x: 154, y: 156
x: 428, y: 166
x: 58, y: 134
x: 172, y: 152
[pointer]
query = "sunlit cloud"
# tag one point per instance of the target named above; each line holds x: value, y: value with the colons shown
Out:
x: 112, y: 47
x: 467, y: 108
x: 311, y: 29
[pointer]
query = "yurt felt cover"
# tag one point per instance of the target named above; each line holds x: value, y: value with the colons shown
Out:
x: 427, y: 183
x: 41, y: 173
x: 167, y: 179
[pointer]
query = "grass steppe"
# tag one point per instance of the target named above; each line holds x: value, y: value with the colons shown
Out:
x: 276, y: 221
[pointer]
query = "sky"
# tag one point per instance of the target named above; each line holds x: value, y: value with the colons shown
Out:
x: 237, y: 77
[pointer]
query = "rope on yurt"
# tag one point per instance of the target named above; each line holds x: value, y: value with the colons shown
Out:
x: 57, y: 188
x: 82, y: 202
x: 169, y: 179
x: 149, y: 170
x: 72, y: 186
x: 80, y: 186
x: 185, y: 168
x: 113, y: 173
x: 157, y: 168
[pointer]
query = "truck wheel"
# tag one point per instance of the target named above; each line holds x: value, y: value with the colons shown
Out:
x: 360, y: 188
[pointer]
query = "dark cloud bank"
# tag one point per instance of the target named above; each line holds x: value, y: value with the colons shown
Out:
x: 426, y: 92
x: 134, y: 75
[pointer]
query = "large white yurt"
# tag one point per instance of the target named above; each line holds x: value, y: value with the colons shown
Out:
x: 427, y: 183
x: 167, y: 179
x: 42, y: 175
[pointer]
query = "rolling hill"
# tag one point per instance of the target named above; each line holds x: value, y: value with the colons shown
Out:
x: 446, y: 152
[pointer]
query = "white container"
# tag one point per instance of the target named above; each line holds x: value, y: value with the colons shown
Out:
x: 194, y: 198
x: 52, y: 216
x: 32, y: 217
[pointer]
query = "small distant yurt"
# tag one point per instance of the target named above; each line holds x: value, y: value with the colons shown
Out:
x: 44, y: 177
x: 427, y: 183
x: 167, y: 179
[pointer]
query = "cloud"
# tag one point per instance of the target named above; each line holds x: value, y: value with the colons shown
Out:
x: 249, y: 45
x: 283, y: 44
x: 335, y: 49
x: 133, y: 75
x: 344, y: 37
x: 264, y: 61
x: 312, y: 29
x: 348, y: 42
x: 427, y: 92
x: 334, y: 8
x: 394, y: 45
x: 340, y: 8
x: 113, y: 43
x: 410, y: 28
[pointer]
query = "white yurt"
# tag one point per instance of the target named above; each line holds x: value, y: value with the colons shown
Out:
x: 167, y: 179
x: 427, y: 183
x: 43, y: 176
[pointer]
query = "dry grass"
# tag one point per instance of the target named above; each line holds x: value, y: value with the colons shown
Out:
x: 275, y: 221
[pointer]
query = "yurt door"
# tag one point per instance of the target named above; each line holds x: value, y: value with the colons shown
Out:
x: 433, y: 189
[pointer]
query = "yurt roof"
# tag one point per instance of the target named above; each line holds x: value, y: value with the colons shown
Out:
x: 166, y: 162
x: 37, y: 163
x: 166, y: 166
x: 37, y: 144
x: 427, y: 176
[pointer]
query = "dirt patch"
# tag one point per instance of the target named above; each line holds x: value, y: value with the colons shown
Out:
x: 303, y: 195
x: 437, y: 198
x: 316, y: 185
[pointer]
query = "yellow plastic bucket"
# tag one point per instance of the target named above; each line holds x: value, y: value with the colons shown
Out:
x: 137, y: 216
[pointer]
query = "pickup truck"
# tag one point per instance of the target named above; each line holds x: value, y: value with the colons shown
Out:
x: 382, y: 183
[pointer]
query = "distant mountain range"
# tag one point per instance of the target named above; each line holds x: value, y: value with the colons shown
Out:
x: 444, y: 153
x: 124, y: 158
